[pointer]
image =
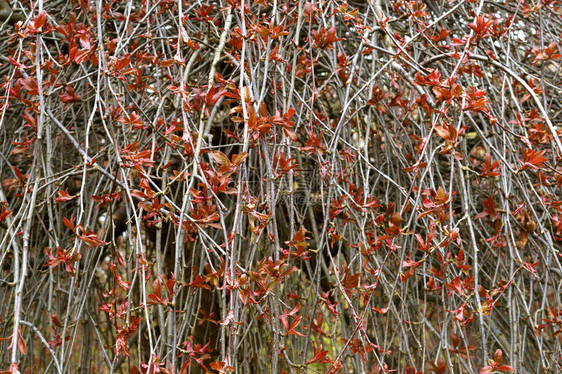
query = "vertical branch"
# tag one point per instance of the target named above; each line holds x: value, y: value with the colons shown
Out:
x: 475, y: 263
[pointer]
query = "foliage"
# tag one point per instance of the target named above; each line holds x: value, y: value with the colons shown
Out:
x: 280, y: 186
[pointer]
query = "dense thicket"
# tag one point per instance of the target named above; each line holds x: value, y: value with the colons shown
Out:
x: 278, y: 186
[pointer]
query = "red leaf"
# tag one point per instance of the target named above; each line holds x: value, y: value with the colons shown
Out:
x: 506, y: 368
x: 532, y: 159
x: 294, y: 325
x: 156, y: 287
x: 21, y: 344
x: 486, y: 370
x: 69, y: 223
x: 440, y: 368
x: 290, y: 134
x: 4, y: 213
x: 92, y: 239
x: 498, y: 355
x: 17, y: 64
x: 64, y: 196
x: 239, y: 158
x: 230, y: 319
x: 490, y: 168
x: 55, y: 320
x: 40, y: 20
x: 456, y: 286
x: 220, y: 158
x: 167, y: 63
x: 319, y: 355
x: 69, y: 96
x: 123, y: 62
x: 85, y: 41
x: 447, y: 132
